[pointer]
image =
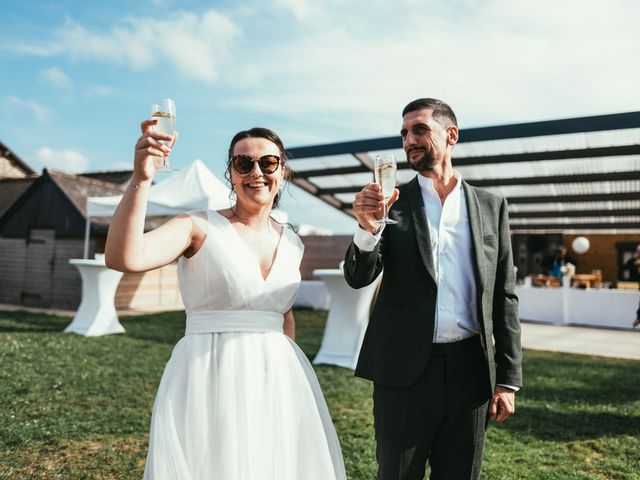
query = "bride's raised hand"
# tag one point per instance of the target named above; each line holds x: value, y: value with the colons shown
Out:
x: 150, y: 151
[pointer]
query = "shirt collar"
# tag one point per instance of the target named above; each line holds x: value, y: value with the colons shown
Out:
x: 426, y: 186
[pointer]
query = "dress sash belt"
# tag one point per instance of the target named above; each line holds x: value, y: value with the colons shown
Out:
x: 220, y: 321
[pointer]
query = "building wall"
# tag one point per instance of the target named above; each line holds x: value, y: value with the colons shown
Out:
x: 602, y: 254
x: 13, y: 253
x: 321, y: 251
x: 37, y: 273
x: 154, y: 290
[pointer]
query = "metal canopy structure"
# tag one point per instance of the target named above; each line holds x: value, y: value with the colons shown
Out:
x: 574, y: 175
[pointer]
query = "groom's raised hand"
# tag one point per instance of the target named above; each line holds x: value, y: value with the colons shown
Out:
x: 368, y: 206
x: 502, y: 404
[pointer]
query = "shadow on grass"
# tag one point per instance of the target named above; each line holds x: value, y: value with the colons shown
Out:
x: 551, y: 424
x: 23, y: 322
x: 584, y: 380
x: 165, y: 327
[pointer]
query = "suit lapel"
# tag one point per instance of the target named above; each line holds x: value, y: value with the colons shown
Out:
x: 419, y: 217
x: 475, y: 222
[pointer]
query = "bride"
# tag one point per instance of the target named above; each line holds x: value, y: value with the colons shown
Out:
x: 238, y: 399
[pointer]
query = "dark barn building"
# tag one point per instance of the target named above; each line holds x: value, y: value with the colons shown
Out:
x: 45, y: 227
x: 40, y: 232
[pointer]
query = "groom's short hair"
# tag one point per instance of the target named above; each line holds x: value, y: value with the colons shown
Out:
x: 440, y: 110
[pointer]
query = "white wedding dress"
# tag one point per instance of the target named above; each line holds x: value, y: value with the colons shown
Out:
x: 238, y: 399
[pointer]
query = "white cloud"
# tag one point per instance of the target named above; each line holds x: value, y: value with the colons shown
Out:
x: 99, y: 91
x: 298, y: 8
x: 66, y: 160
x: 502, y: 62
x: 191, y: 44
x: 56, y: 77
x: 119, y: 165
x: 344, y: 70
x: 39, y: 111
x: 29, y: 48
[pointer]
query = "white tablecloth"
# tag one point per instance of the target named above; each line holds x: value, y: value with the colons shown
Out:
x: 97, y: 312
x: 347, y: 320
x: 594, y: 307
x: 313, y: 294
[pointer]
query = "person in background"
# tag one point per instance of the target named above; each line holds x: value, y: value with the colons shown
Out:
x: 557, y: 261
x: 632, y: 269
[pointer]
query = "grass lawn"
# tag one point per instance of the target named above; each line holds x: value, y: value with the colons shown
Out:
x: 79, y: 408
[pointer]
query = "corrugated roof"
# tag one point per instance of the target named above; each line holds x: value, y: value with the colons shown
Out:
x: 15, y: 160
x: 77, y: 188
x: 570, y: 175
x: 120, y: 177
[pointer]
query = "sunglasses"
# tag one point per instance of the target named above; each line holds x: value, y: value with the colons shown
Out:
x: 243, y: 164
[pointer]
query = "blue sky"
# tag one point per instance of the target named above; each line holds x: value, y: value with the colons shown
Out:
x: 78, y: 76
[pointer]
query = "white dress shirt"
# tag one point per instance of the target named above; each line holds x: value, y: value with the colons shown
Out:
x: 450, y: 233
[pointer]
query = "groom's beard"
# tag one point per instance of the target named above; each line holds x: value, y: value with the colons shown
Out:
x: 423, y: 163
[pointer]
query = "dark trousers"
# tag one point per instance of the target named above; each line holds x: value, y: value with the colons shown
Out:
x: 442, y: 418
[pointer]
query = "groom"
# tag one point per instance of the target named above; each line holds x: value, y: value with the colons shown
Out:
x: 447, y: 295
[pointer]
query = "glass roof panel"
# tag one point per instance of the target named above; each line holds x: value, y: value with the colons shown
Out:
x: 601, y: 166
x: 347, y: 198
x: 314, y: 163
x: 608, y: 138
x: 568, y: 189
x: 574, y: 221
x: 573, y: 206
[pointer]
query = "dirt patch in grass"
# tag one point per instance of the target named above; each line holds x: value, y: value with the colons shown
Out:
x: 106, y: 458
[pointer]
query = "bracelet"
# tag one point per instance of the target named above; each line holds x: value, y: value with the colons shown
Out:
x: 138, y: 186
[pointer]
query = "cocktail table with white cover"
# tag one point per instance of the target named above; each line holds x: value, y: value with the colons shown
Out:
x: 97, y: 312
x: 604, y: 307
x: 347, y: 320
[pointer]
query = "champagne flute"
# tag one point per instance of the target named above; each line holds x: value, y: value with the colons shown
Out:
x: 385, y: 175
x: 164, y: 110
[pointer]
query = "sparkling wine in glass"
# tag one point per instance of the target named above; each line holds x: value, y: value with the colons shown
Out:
x: 164, y: 110
x: 385, y: 175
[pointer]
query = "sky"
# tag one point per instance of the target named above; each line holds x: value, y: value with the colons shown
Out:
x: 78, y: 77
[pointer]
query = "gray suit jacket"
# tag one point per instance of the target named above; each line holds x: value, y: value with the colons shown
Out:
x: 398, y: 340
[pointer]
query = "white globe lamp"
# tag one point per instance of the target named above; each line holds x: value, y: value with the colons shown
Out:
x: 580, y: 245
